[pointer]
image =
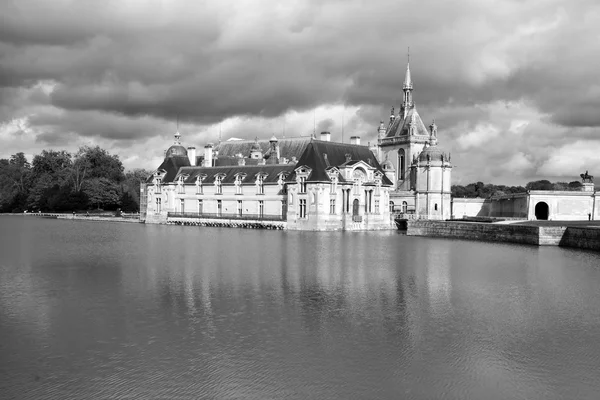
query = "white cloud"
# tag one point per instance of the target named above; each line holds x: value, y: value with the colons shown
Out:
x: 481, y: 134
x: 571, y: 159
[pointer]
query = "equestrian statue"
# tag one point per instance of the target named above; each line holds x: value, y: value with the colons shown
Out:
x: 586, y: 177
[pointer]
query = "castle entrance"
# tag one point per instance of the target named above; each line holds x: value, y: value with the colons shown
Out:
x: 542, y: 210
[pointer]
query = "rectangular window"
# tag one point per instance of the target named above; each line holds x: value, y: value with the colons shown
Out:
x: 303, y: 184
x: 198, y: 187
x: 200, y: 207
x: 238, y: 185
x: 283, y: 208
x: 260, y: 185
x: 219, y: 208
x: 261, y: 208
x: 302, y: 203
x: 158, y: 190
x: 332, y: 206
x: 158, y: 204
x: 219, y: 185
x: 239, y: 207
x: 182, y: 205
x: 376, y: 206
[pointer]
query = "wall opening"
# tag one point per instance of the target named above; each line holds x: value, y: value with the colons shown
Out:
x: 542, y: 211
x: 401, y: 166
x: 355, y: 207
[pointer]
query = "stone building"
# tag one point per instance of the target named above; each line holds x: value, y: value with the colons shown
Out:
x: 308, y: 184
x: 293, y: 183
x: 550, y: 205
x: 411, y: 158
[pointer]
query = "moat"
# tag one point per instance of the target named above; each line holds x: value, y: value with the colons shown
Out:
x: 92, y: 310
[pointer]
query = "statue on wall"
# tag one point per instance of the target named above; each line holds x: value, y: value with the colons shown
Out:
x: 586, y: 178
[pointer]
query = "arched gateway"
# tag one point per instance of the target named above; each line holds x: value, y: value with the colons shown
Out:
x: 542, y: 211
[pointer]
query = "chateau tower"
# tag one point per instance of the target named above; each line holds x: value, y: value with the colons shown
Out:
x: 404, y: 138
x: 431, y: 171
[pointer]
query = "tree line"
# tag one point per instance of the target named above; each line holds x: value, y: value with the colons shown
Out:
x: 486, y: 190
x: 58, y: 181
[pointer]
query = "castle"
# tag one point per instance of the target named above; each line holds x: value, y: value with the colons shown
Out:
x: 306, y: 183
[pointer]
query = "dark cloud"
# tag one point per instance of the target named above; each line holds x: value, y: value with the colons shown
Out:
x: 120, y: 70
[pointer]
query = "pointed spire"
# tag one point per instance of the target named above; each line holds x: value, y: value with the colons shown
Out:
x: 407, y: 78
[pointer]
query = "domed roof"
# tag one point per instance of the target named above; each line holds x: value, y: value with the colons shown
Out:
x: 176, y: 150
x: 387, y: 165
x: 431, y: 153
x: 255, y: 146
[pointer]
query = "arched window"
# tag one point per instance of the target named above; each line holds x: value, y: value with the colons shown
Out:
x: 404, y: 207
x: 435, y: 207
x: 401, y: 164
x: 391, y: 206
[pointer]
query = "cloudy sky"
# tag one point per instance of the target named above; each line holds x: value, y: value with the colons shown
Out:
x: 513, y: 85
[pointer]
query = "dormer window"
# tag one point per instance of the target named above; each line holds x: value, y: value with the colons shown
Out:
x: 180, y: 187
x: 302, y: 175
x: 157, y: 184
x: 238, y: 183
x: 260, y: 183
x: 358, y: 177
x: 219, y: 184
x: 198, y: 185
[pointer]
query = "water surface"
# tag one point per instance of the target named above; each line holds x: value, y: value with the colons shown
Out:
x: 127, y: 311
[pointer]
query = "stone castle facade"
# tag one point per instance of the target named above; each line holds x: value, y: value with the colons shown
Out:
x: 306, y: 183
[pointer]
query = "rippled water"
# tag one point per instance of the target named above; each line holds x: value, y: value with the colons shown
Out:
x: 128, y: 311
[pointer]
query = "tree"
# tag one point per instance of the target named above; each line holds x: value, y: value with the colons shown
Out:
x: 50, y: 173
x: 102, y: 192
x: 130, y: 200
x: 15, y: 176
x: 575, y: 185
x: 540, y: 185
x: 94, y: 162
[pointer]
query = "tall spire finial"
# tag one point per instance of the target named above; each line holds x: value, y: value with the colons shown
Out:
x: 408, y: 55
x: 177, y: 134
x: 407, y: 78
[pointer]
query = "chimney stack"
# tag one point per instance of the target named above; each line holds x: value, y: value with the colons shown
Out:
x: 192, y: 155
x: 355, y: 140
x: 208, y: 155
x: 326, y: 136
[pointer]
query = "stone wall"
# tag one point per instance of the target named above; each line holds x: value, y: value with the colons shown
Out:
x: 576, y: 237
x: 475, y: 231
x: 583, y: 238
x: 476, y: 207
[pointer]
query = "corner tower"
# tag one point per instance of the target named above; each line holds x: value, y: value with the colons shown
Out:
x: 404, y: 138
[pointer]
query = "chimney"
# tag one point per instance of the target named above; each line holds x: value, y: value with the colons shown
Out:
x: 192, y: 156
x: 355, y: 140
x: 326, y: 136
x: 208, y: 155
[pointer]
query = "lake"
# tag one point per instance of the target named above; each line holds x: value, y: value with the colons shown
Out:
x: 93, y: 310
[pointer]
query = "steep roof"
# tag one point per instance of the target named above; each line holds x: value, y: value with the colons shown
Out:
x: 401, y: 126
x: 288, y: 147
x: 171, y: 165
x: 320, y: 155
x: 272, y: 172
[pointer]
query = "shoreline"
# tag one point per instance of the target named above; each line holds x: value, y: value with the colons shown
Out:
x: 76, y: 217
x: 569, y: 234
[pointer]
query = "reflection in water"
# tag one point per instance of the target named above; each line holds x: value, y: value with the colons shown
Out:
x: 132, y: 311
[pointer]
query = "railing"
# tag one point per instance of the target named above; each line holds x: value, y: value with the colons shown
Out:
x: 243, y: 217
x: 357, y: 218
